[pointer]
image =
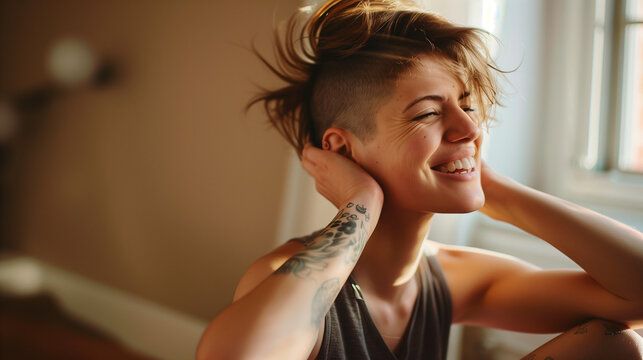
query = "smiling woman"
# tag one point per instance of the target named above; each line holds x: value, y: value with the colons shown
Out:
x: 427, y: 107
x: 385, y: 104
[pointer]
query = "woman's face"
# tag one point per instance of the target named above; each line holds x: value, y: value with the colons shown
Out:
x: 427, y: 125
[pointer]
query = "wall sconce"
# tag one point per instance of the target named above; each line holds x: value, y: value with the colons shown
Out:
x: 72, y: 65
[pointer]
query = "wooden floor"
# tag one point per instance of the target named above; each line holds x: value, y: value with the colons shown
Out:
x: 35, y: 327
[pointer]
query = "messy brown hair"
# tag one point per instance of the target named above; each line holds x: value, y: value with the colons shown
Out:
x: 345, y: 59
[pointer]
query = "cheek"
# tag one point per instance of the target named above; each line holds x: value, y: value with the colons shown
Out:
x: 416, y: 153
x: 407, y: 164
x: 422, y: 146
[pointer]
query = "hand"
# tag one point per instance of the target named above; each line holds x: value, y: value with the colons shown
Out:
x: 337, y: 178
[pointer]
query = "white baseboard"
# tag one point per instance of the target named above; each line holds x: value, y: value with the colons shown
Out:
x: 139, y: 324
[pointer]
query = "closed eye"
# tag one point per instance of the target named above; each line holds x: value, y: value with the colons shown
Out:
x: 424, y: 116
x: 434, y: 113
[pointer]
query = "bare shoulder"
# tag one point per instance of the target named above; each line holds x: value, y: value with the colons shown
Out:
x: 470, y: 271
x: 259, y: 270
x: 450, y: 256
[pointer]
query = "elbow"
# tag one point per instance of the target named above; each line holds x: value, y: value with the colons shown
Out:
x: 207, y: 351
x: 211, y: 347
x: 202, y: 354
x: 204, y: 351
x: 217, y: 345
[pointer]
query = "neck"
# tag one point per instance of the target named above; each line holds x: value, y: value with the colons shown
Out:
x: 391, y: 257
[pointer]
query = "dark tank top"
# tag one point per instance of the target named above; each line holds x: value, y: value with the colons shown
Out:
x: 350, y: 332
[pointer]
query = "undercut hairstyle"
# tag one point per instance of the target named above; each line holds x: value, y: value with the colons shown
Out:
x: 342, y: 64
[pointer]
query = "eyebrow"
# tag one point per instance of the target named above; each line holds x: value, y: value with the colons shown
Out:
x: 438, y: 98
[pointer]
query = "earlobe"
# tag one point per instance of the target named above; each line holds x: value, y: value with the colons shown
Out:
x: 337, y: 140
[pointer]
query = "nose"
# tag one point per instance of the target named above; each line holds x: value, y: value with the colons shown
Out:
x: 461, y: 127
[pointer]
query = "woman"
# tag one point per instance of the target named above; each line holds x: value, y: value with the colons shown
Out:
x: 393, y: 100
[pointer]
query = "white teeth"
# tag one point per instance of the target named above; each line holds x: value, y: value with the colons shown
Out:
x: 460, y: 164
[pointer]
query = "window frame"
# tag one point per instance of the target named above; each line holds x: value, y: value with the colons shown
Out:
x: 577, y: 156
x: 616, y: 19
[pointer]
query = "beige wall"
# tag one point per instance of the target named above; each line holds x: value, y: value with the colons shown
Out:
x: 159, y: 184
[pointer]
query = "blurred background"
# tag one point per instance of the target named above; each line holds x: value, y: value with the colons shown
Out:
x: 135, y: 190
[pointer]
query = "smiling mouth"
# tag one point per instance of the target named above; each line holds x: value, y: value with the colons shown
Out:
x: 461, y: 166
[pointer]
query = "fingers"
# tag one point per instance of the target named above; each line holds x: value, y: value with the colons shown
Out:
x: 308, y: 152
x: 311, y: 153
x: 314, y: 160
x: 309, y: 166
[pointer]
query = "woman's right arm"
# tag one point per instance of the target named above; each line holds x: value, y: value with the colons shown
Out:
x: 279, y: 318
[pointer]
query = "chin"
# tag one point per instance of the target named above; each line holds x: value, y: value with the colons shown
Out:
x: 468, y: 208
x: 462, y: 205
x: 454, y: 200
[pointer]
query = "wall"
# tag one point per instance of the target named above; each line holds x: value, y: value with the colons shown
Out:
x: 158, y: 185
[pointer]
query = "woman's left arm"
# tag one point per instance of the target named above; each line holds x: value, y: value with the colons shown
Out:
x: 609, y: 251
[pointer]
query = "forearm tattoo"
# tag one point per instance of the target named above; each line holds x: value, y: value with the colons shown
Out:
x: 581, y: 329
x: 308, y: 239
x: 324, y: 296
x: 613, y: 329
x: 345, y: 236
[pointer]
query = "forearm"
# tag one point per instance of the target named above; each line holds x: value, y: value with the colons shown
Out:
x: 610, y: 252
x: 595, y: 339
x: 281, y: 316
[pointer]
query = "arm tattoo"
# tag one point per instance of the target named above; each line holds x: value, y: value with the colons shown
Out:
x: 322, y: 300
x: 346, y: 235
x: 581, y: 329
x: 308, y: 239
x: 612, y: 329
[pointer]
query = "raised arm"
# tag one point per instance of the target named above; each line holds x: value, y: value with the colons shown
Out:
x: 609, y: 251
x: 279, y: 315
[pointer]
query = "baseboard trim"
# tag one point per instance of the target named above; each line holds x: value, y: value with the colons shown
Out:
x: 139, y: 324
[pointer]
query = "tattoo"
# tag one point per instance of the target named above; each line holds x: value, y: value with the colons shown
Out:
x: 308, y: 239
x: 581, y: 329
x: 346, y: 235
x: 356, y: 244
x: 549, y: 358
x: 612, y: 330
x: 322, y: 300
x: 361, y: 210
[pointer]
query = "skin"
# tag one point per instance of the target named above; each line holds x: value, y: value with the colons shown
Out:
x: 279, y: 304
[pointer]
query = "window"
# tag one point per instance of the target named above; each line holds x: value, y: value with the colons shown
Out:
x: 629, y: 17
x: 616, y: 118
x: 591, y: 106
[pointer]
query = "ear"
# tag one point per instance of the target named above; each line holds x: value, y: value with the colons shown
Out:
x: 338, y: 140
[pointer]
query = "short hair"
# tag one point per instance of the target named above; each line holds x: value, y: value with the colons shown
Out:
x: 347, y: 56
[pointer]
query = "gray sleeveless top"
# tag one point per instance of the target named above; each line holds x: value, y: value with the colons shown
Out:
x: 350, y: 333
